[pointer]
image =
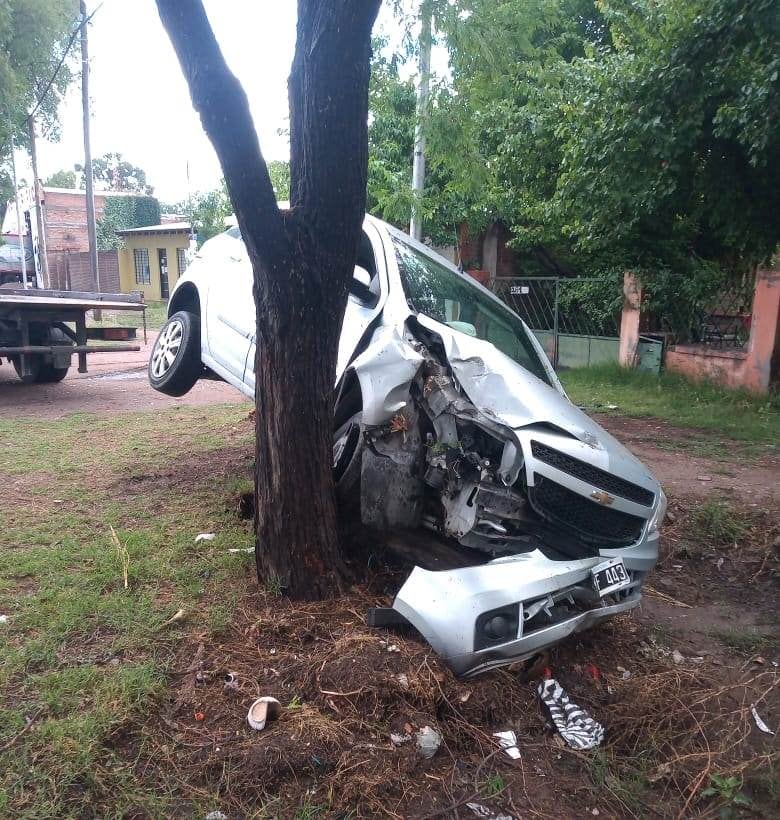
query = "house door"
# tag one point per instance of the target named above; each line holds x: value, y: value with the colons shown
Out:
x: 162, y: 258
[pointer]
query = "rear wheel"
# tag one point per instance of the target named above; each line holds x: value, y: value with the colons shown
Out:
x: 175, y: 364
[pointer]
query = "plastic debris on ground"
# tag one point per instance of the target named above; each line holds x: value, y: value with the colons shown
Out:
x: 3, y: 619
x: 205, y: 536
x: 486, y: 813
x: 241, y: 549
x: 261, y: 711
x: 428, y: 741
x: 573, y: 723
x: 231, y: 682
x: 760, y: 723
x: 398, y: 739
x: 508, y: 742
x: 216, y: 815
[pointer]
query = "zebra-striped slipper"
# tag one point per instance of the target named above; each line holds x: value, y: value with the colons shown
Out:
x: 574, y: 724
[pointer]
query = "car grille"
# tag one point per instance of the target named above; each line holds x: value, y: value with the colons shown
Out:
x: 593, y: 475
x: 572, y: 511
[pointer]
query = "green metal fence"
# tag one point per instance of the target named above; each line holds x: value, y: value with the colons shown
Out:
x: 576, y: 320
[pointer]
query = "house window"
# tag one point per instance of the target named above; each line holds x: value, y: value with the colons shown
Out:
x: 181, y: 261
x: 143, y: 274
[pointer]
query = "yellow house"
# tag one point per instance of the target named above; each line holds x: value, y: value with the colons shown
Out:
x: 153, y: 259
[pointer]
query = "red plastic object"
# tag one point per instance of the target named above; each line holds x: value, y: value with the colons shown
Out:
x: 593, y: 671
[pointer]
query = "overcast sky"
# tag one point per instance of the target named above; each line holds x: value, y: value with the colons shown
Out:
x: 140, y: 102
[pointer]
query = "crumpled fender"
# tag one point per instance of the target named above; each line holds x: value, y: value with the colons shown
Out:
x: 385, y: 370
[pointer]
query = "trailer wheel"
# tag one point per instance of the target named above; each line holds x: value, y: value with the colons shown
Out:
x: 43, y: 371
x: 34, y: 361
x: 48, y: 373
x: 175, y: 364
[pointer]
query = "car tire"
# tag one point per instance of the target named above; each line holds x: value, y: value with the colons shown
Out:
x: 175, y: 364
x: 347, y: 467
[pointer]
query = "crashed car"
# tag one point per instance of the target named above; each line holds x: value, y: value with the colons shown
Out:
x: 450, y: 424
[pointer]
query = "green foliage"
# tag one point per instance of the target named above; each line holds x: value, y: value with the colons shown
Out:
x: 207, y: 212
x: 652, y: 151
x: 123, y: 212
x: 279, y: 171
x: 719, y: 524
x: 62, y: 179
x: 728, y: 790
x: 494, y: 785
x: 112, y: 173
x: 607, y: 134
x: 33, y: 37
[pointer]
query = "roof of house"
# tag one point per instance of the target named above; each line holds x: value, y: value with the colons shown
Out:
x: 167, y: 227
x: 50, y: 189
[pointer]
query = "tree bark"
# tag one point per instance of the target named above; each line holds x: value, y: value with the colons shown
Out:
x: 302, y: 260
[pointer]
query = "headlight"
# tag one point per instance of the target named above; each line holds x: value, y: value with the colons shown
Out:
x: 659, y: 514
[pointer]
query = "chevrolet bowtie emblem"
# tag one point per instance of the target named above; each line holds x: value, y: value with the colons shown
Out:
x: 602, y: 497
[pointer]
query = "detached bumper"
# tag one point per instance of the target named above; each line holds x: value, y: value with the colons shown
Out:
x: 481, y: 617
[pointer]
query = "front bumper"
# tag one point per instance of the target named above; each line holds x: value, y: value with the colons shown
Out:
x: 552, y: 599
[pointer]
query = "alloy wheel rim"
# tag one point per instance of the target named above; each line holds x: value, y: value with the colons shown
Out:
x: 166, y: 348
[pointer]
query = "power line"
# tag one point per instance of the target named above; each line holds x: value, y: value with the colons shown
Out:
x: 62, y: 60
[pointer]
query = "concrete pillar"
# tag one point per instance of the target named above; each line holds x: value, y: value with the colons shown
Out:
x: 629, y: 320
x: 764, y: 344
x: 490, y: 251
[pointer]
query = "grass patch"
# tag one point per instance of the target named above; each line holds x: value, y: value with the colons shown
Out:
x: 82, y: 655
x: 744, y: 641
x: 680, y: 401
x: 156, y: 314
x: 720, y: 524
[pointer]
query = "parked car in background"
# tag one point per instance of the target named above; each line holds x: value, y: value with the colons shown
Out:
x: 450, y: 423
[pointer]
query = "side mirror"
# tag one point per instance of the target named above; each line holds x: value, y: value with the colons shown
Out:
x: 360, y: 285
x: 463, y: 327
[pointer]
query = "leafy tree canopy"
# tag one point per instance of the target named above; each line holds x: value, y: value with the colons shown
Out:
x: 33, y: 37
x: 604, y: 133
x: 112, y: 173
x: 62, y: 179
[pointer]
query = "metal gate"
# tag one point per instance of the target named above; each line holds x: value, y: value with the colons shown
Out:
x: 577, y: 320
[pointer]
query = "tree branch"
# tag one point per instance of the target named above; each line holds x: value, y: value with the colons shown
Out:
x: 221, y: 102
x: 334, y: 46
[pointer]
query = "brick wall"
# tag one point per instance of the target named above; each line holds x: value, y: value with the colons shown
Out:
x: 66, y: 219
x: 71, y: 271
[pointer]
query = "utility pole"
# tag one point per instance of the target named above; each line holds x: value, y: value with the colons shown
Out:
x: 19, y: 223
x: 418, y: 168
x: 93, y: 255
x: 38, y: 195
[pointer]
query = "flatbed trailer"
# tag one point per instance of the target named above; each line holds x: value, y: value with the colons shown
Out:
x: 40, y: 330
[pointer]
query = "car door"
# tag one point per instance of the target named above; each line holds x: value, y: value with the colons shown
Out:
x: 360, y: 310
x: 230, y: 310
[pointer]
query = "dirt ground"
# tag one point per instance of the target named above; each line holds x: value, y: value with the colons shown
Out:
x: 114, y: 383
x: 117, y: 383
x: 673, y: 722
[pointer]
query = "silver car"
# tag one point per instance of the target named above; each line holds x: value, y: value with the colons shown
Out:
x: 528, y: 521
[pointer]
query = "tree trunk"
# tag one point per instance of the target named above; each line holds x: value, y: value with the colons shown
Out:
x: 297, y: 544
x: 302, y: 260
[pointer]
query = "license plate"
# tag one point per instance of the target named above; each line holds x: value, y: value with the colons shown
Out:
x: 610, y: 577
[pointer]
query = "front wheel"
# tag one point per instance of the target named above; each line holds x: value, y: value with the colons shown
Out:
x: 175, y: 364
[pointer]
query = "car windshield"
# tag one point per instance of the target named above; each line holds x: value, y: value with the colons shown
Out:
x: 436, y: 291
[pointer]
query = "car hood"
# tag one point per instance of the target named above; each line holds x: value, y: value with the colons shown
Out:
x: 508, y: 393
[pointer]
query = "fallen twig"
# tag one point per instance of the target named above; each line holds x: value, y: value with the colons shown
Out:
x: 655, y: 593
